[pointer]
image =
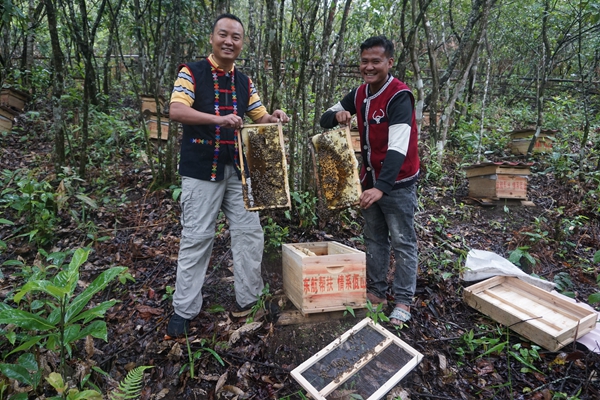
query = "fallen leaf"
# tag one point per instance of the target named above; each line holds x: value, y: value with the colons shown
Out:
x: 251, y: 327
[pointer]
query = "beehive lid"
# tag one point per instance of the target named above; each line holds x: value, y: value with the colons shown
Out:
x: 267, y: 186
x: 337, y: 168
x: 366, y: 361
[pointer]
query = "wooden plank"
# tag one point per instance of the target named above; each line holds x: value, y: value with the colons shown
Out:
x: 540, y: 316
x: 496, y: 169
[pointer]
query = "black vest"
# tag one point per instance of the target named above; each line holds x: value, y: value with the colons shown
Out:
x: 203, y: 154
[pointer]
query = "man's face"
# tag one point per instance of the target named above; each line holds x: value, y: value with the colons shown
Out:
x: 226, y: 40
x: 374, y: 67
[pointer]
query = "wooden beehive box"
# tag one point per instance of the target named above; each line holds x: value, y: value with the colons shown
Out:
x: 337, y: 168
x: 520, y: 141
x: 149, y: 104
x: 7, y: 116
x: 498, y: 181
x: 13, y: 98
x: 542, y: 317
x: 267, y: 187
x: 324, y: 276
x: 152, y: 125
x: 367, y: 361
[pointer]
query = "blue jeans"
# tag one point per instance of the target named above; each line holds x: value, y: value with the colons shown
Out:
x: 390, y: 222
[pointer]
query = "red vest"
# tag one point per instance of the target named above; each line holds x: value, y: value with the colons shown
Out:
x: 373, y: 125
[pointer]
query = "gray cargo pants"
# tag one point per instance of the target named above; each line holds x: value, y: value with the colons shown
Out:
x: 200, y: 205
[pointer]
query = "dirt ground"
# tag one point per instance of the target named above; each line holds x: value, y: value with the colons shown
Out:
x: 143, y: 233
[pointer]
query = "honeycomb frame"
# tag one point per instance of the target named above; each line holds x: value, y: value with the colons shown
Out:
x: 267, y: 187
x: 337, y: 168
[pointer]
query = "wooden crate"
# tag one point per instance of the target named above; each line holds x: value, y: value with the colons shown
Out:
x: 7, y: 116
x: 367, y: 361
x: 520, y: 141
x: 149, y: 104
x: 324, y: 276
x: 152, y: 125
x: 13, y: 98
x: 498, y: 181
x: 542, y: 317
x: 267, y: 187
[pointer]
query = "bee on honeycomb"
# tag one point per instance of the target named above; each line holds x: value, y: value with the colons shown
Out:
x: 265, y: 187
x: 337, y: 169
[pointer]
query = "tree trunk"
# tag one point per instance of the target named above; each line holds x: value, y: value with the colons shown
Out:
x: 57, y: 86
x: 339, y: 51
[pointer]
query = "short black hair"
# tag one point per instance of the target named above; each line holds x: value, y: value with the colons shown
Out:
x: 228, y: 16
x: 379, y: 41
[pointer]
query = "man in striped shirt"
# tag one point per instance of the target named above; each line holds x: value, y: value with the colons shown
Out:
x: 210, y: 98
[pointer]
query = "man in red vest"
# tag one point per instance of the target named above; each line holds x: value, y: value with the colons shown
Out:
x: 384, y: 108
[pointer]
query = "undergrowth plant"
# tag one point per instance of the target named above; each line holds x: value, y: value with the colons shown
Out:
x: 48, y: 314
x: 376, y: 313
x: 194, y: 356
x: 305, y: 204
x: 275, y: 234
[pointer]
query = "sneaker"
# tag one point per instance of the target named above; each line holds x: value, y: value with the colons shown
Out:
x: 178, y: 326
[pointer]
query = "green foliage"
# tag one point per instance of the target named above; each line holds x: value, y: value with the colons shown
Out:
x: 194, y: 356
x: 131, y: 386
x: 519, y: 254
x: 275, y: 234
x: 376, y: 313
x: 33, y: 201
x: 262, y: 302
x: 564, y: 284
x: 25, y: 370
x: 305, y: 205
x: 50, y: 315
x: 65, y: 392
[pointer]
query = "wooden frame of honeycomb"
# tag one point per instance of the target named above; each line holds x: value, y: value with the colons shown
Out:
x: 268, y: 186
x: 337, y: 168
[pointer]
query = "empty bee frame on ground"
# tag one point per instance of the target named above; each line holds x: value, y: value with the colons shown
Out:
x: 267, y: 186
x: 337, y: 168
x: 366, y: 361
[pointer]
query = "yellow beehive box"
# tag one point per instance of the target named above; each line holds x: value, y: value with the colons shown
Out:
x: 7, y: 116
x: 498, y: 180
x: 149, y: 104
x: 542, y: 317
x: 324, y: 276
x: 13, y: 98
x: 520, y: 141
x: 152, y: 125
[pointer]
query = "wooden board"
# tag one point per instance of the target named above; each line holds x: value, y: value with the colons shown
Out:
x: 498, y: 187
x: 337, y: 168
x: 355, y: 138
x: 540, y: 316
x: 267, y: 187
x: 520, y: 146
x: 367, y: 361
x: 152, y: 124
x: 324, y: 276
x: 7, y: 116
x: 493, y: 169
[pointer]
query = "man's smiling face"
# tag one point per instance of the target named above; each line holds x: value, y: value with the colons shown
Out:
x: 374, y: 67
x: 226, y: 40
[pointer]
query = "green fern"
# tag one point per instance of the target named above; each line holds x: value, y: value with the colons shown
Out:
x: 131, y: 386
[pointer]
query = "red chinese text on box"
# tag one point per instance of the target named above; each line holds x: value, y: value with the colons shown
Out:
x: 329, y: 284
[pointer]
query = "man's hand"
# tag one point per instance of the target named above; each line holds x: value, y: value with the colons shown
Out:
x: 343, y: 117
x: 279, y: 115
x: 231, y: 121
x: 370, y: 196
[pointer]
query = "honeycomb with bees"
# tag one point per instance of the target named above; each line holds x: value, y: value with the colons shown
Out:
x: 337, y: 168
x: 267, y: 185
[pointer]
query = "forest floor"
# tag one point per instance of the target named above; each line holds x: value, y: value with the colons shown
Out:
x: 142, y: 232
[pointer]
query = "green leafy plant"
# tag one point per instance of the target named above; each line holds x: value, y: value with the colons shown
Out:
x: 275, y: 235
x: 349, y: 310
x: 169, y: 290
x: 51, y: 315
x: 564, y: 284
x: 376, y: 313
x: 518, y: 255
x: 34, y: 201
x: 305, y: 205
x: 25, y: 370
x: 261, y: 303
x: 193, y: 356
